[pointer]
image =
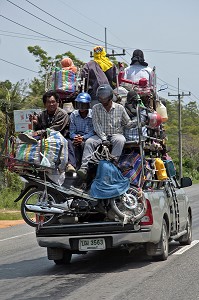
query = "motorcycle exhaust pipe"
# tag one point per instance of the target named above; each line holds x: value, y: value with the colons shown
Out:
x: 42, y: 209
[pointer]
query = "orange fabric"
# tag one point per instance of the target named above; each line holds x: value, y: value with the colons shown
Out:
x: 67, y: 64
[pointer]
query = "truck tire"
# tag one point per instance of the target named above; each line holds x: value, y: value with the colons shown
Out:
x: 163, y: 243
x: 33, y: 197
x: 160, y: 251
x: 186, y: 239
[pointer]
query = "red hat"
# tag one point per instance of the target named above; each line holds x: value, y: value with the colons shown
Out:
x: 143, y: 82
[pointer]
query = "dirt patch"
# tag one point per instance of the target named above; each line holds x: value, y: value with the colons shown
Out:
x: 9, y: 223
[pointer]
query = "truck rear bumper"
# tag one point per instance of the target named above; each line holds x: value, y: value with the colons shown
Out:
x: 116, y: 237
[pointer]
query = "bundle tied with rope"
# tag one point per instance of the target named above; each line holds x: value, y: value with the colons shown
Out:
x: 109, y: 181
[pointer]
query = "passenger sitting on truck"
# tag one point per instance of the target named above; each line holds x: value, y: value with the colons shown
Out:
x: 53, y: 117
x: 98, y: 71
x: 109, y: 119
x: 81, y: 126
x: 138, y: 68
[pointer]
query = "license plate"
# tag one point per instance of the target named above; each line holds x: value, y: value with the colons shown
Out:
x: 92, y: 244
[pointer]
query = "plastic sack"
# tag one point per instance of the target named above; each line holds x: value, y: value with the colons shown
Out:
x: 63, y: 80
x: 109, y: 181
x: 155, y: 119
x: 162, y: 111
x: 44, y: 162
x: 49, y: 147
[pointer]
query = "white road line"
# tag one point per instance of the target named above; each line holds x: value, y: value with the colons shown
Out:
x: 16, y: 236
x: 185, y: 248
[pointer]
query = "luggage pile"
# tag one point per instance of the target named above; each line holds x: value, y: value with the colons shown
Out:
x: 145, y: 157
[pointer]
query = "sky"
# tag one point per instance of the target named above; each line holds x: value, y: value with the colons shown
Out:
x: 166, y: 31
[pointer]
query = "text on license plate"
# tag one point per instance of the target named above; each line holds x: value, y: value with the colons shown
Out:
x: 92, y: 244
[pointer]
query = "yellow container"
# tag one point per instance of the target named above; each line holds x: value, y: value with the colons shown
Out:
x: 160, y: 169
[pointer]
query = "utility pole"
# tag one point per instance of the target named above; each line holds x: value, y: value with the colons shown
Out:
x: 180, y: 127
x: 111, y: 54
x: 105, y: 40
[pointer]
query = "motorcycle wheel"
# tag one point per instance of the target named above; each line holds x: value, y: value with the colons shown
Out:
x: 129, y: 206
x: 34, y: 197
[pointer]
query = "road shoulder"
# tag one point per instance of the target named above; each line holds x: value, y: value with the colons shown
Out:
x: 9, y: 223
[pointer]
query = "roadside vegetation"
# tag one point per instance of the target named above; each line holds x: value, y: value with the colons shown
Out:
x: 23, y: 95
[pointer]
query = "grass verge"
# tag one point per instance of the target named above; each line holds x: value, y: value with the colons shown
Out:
x: 10, y: 215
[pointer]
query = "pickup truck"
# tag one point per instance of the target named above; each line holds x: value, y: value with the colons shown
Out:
x: 168, y: 217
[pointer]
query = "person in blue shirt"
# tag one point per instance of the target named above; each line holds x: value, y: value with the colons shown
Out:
x: 81, y: 126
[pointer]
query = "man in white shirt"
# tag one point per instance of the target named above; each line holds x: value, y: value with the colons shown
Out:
x: 138, y: 68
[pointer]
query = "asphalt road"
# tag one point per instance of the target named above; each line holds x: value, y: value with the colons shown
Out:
x: 26, y: 273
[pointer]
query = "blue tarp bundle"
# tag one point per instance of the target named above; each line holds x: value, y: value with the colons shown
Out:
x: 109, y: 181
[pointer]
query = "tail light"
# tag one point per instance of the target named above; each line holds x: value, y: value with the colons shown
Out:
x: 148, y: 217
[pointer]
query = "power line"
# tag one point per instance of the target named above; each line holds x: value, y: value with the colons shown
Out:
x: 60, y: 41
x: 46, y: 21
x: 176, y: 89
x: 87, y: 17
x: 18, y: 65
x: 169, y: 51
x: 129, y: 48
x: 31, y: 37
x: 62, y: 21
x: 43, y: 34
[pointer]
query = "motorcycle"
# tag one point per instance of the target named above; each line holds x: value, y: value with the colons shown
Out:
x: 46, y: 202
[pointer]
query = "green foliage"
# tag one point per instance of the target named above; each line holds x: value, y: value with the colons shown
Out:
x: 11, y: 180
x: 190, y: 139
x: 6, y: 214
x: 7, y: 197
x: 10, y: 187
x: 46, y: 62
x: 34, y: 98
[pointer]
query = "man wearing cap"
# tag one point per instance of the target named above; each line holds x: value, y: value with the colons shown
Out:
x: 109, y: 119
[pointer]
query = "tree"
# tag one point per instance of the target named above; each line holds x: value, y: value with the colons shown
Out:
x: 47, y: 62
x: 190, y: 140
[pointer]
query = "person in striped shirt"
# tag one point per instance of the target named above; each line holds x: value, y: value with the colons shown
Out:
x: 109, y: 119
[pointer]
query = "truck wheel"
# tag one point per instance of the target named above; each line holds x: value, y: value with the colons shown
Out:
x: 163, y: 243
x: 160, y: 251
x: 67, y: 255
x: 34, y: 197
x: 186, y: 239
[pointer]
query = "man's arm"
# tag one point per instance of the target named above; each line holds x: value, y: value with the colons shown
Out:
x: 97, y: 125
x: 127, y: 122
x: 72, y: 127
